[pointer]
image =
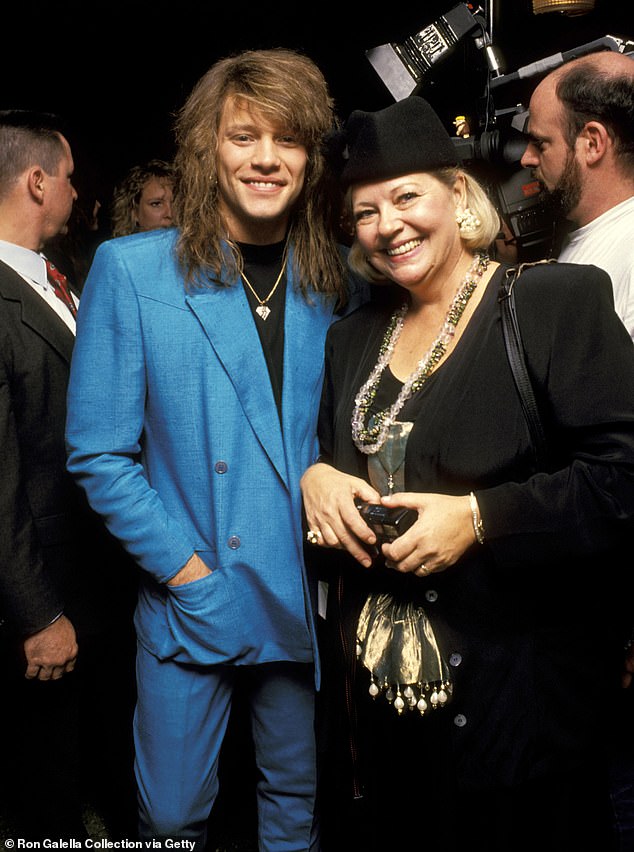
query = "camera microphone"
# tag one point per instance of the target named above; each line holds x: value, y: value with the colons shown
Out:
x: 549, y: 63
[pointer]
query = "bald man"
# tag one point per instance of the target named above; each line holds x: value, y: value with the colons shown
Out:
x: 581, y: 149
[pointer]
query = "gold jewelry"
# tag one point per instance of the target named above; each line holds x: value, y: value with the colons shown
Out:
x: 312, y: 537
x: 478, y: 527
x: 263, y: 309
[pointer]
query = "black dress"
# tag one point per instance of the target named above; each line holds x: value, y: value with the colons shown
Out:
x: 531, y: 623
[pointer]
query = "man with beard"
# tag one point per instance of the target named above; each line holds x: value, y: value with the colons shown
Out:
x: 581, y: 147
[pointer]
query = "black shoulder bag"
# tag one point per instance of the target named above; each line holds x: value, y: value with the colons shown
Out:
x: 515, y: 353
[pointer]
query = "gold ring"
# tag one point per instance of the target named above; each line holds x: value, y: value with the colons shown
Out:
x: 313, y: 537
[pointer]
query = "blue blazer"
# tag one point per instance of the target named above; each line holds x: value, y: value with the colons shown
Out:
x: 173, y: 432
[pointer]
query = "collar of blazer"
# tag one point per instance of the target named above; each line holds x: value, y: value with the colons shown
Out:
x: 228, y: 323
x: 34, y: 312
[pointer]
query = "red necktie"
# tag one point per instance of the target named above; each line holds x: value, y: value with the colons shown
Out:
x: 59, y: 283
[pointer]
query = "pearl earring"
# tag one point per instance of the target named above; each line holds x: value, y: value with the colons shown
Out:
x: 467, y: 221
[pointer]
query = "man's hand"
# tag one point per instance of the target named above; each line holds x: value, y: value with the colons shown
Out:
x: 51, y: 652
x: 194, y: 569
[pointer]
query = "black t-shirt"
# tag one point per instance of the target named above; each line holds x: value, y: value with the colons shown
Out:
x: 262, y: 265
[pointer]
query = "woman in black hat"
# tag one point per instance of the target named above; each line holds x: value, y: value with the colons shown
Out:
x: 473, y: 661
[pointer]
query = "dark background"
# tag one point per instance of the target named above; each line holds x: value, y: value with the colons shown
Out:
x: 118, y: 71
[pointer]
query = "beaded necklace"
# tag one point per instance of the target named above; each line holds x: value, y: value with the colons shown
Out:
x: 370, y: 438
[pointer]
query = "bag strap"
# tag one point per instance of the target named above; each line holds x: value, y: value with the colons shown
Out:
x: 516, y: 356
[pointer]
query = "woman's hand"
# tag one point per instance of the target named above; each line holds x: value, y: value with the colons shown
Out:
x: 333, y: 519
x: 443, y: 532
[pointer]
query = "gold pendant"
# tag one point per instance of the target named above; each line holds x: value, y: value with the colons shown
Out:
x: 263, y: 311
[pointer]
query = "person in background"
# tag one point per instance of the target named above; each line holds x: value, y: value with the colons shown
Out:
x: 191, y: 438
x: 581, y: 147
x: 473, y: 658
x: 65, y: 609
x: 88, y: 225
x: 143, y: 199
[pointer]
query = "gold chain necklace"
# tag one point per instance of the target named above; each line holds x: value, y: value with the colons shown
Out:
x: 263, y: 309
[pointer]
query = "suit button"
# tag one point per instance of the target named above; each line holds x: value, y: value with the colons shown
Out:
x: 431, y: 596
x: 460, y: 721
x: 234, y: 542
x: 455, y: 659
x: 221, y: 467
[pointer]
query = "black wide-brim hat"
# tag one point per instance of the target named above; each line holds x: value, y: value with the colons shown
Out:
x: 404, y: 138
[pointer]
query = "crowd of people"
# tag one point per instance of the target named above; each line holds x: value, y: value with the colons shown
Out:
x: 264, y: 457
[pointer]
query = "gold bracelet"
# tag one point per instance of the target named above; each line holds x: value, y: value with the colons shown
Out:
x: 478, y: 527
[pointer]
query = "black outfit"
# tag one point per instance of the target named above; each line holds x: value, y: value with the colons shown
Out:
x: 262, y: 265
x: 532, y: 623
x: 66, y: 741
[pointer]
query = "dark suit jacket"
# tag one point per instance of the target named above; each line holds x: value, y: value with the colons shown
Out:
x: 54, y: 553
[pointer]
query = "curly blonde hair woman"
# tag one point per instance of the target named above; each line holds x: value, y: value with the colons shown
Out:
x: 143, y: 200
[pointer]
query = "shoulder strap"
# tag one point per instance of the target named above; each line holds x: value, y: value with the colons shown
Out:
x: 515, y: 353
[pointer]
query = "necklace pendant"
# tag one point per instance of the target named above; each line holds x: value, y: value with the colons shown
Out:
x: 262, y: 311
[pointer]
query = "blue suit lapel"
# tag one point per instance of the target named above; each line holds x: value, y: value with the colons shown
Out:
x: 226, y: 318
x: 306, y: 325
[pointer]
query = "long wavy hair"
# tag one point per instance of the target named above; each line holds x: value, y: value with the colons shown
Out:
x: 282, y: 85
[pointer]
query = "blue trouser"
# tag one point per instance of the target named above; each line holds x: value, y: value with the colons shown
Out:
x: 180, y: 722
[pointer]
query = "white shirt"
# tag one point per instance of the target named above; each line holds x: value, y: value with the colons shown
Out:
x: 32, y: 267
x: 608, y: 242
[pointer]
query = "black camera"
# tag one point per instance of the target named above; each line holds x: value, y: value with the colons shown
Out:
x: 387, y: 523
x: 495, y: 155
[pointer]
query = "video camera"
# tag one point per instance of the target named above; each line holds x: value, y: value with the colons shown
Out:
x: 494, y: 152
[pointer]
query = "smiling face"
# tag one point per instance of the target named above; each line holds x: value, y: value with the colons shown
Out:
x: 407, y: 228
x: 261, y: 170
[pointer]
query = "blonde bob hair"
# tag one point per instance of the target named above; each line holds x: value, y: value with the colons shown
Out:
x: 477, y: 200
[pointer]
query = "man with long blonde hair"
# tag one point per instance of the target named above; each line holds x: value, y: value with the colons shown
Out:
x: 192, y: 415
